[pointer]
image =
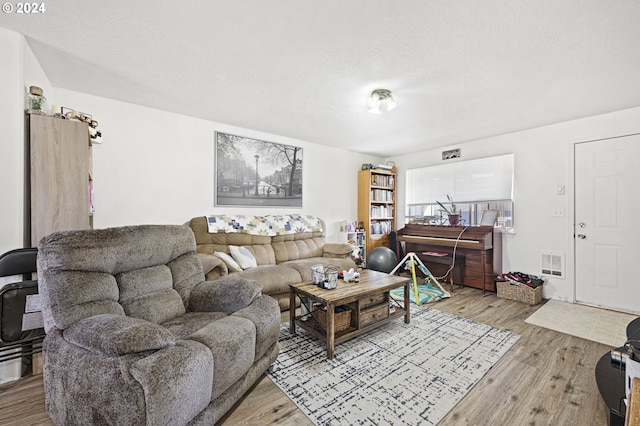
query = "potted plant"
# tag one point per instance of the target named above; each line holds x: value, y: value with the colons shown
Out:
x: 36, y: 102
x: 452, y: 215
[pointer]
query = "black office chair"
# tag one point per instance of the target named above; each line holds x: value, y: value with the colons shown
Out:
x: 20, y: 321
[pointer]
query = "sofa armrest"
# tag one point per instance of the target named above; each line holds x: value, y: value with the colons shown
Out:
x: 228, y: 295
x: 264, y: 312
x: 212, y: 266
x: 337, y: 250
x: 116, y: 335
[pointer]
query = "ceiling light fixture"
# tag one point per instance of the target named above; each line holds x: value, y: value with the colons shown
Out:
x: 381, y: 97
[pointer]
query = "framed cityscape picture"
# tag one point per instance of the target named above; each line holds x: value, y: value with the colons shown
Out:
x: 255, y: 173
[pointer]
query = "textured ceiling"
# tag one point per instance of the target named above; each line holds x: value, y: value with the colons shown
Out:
x: 459, y: 70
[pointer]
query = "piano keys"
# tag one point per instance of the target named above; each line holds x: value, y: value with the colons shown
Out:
x: 478, y: 252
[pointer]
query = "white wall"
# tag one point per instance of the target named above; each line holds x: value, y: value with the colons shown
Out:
x: 19, y: 70
x: 34, y: 75
x: 158, y: 167
x: 11, y: 141
x: 543, y: 160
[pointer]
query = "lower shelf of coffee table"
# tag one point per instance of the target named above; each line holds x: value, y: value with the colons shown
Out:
x: 311, y: 326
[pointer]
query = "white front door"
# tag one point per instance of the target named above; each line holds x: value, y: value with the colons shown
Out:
x: 607, y: 214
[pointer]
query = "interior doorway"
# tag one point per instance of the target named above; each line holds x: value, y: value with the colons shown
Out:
x: 607, y: 203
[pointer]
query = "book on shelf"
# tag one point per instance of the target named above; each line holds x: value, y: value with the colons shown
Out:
x: 381, y: 195
x: 381, y: 227
x: 383, y: 180
x: 381, y: 211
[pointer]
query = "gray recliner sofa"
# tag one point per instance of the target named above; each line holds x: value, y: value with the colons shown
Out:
x: 136, y: 336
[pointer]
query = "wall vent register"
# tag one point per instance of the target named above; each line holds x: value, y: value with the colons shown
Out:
x: 552, y: 264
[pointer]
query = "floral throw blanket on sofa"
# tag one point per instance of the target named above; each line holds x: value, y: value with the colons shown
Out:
x: 269, y: 225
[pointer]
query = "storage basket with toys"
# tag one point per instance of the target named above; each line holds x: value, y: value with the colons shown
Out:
x: 520, y: 287
x: 341, y: 318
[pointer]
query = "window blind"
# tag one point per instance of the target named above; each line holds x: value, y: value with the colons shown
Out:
x: 483, y: 179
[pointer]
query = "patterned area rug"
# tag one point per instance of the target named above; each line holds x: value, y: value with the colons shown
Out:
x: 400, y: 374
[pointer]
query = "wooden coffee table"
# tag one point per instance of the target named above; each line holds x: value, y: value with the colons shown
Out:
x: 369, y: 301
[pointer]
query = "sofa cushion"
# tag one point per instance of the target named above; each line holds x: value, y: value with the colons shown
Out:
x: 140, y: 282
x: 263, y: 253
x: 272, y: 278
x: 232, y: 265
x: 148, y: 293
x: 157, y: 307
x: 186, y: 273
x: 296, y: 247
x: 190, y: 323
x: 228, y: 295
x: 71, y: 299
x: 115, y: 335
x: 243, y: 256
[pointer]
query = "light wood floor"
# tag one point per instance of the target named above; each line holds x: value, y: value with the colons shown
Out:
x: 547, y: 378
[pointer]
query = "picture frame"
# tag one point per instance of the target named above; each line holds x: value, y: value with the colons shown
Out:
x: 489, y: 218
x: 255, y: 173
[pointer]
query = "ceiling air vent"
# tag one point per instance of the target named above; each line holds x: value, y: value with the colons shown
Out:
x: 552, y: 264
x: 452, y: 153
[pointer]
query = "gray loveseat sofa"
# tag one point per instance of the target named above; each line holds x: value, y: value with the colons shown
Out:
x: 285, y: 248
x: 136, y: 336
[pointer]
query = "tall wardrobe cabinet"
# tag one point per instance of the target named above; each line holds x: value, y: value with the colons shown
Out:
x: 59, y: 177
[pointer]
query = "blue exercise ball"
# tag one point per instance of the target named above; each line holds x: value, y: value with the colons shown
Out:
x: 382, y: 259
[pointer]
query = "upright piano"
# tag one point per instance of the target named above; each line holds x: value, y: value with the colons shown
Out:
x: 475, y: 252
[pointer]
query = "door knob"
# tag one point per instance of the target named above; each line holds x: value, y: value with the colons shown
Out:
x: 582, y: 224
x: 582, y: 236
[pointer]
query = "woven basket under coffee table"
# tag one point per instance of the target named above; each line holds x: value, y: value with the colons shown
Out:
x: 341, y: 321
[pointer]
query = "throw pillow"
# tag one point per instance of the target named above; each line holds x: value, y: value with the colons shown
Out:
x: 232, y: 265
x: 243, y: 256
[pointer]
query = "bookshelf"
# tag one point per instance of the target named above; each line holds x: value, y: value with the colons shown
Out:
x: 351, y: 234
x: 377, y: 206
